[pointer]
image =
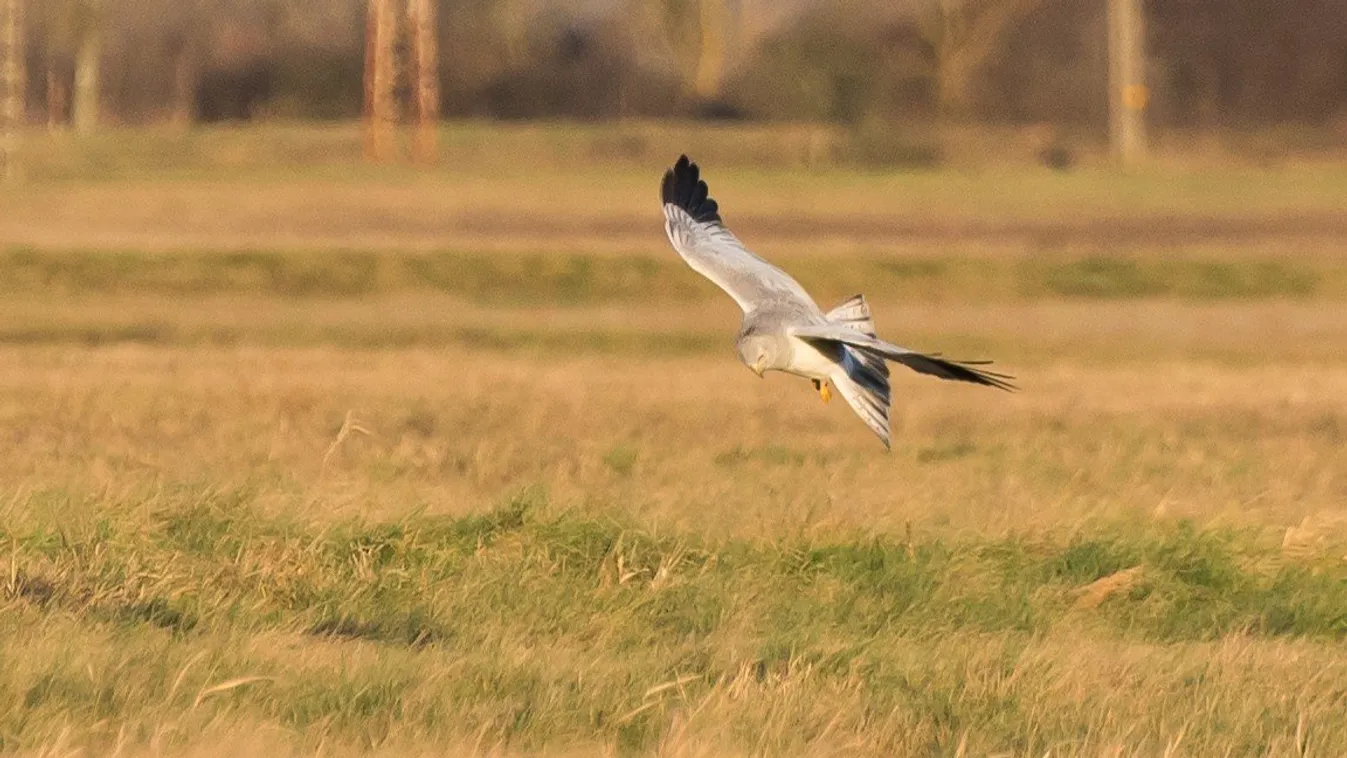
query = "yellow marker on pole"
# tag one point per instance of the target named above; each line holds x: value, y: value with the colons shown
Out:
x: 1136, y: 96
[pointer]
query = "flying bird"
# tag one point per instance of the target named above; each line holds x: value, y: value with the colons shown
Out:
x: 783, y: 329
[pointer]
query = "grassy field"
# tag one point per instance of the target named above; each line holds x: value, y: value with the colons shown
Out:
x: 304, y: 457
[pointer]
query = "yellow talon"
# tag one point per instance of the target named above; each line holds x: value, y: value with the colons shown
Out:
x: 824, y: 391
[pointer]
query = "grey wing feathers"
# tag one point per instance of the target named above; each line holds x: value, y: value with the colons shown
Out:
x: 964, y: 371
x: 692, y: 221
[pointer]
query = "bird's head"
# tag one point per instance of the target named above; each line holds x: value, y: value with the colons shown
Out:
x: 759, y: 351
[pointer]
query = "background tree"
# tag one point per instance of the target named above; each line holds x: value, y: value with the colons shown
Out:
x: 963, y: 36
x: 381, y: 81
x: 13, y: 81
x: 1217, y: 64
x: 88, y: 24
x: 696, y: 35
x: 425, y: 67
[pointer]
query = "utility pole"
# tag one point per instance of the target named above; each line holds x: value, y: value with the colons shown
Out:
x: 1128, y: 95
x: 12, y: 78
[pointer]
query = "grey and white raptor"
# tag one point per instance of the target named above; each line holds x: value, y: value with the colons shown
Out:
x: 783, y: 329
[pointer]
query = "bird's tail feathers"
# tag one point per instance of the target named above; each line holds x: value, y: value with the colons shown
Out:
x: 864, y: 384
x: 854, y: 312
x: 934, y: 364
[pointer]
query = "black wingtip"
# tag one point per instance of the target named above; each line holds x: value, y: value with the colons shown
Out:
x: 984, y: 377
x: 966, y: 371
x: 684, y: 188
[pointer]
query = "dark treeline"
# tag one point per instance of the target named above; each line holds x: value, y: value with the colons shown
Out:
x: 1226, y: 63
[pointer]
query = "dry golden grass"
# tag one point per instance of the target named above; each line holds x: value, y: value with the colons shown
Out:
x: 569, y: 188
x: 516, y: 496
x: 455, y: 429
x: 691, y: 450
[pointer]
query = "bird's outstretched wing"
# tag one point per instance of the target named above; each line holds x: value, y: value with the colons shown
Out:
x: 692, y: 221
x: 963, y: 371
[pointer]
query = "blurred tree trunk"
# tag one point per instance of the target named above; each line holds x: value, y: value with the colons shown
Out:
x: 87, y: 69
x: 11, y: 114
x: 186, y: 73
x: 381, y: 80
x: 60, y: 23
x: 367, y: 75
x: 512, y: 21
x: 58, y: 96
x: 714, y: 22
x: 426, y: 71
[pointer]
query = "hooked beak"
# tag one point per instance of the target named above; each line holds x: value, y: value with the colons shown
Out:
x: 758, y: 369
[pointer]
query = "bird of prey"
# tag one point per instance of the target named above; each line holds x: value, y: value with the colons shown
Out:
x: 783, y: 329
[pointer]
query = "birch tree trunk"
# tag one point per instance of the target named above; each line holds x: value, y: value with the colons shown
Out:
x: 11, y: 115
x: 426, y: 70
